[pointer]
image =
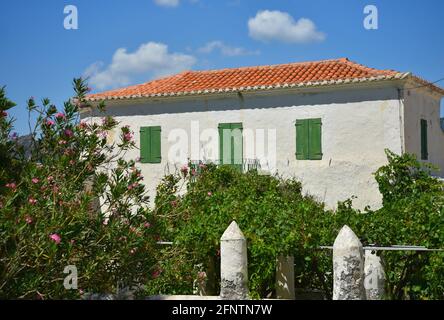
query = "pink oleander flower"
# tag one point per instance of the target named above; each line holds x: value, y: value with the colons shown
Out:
x: 28, y: 219
x: 193, y: 172
x: 210, y: 193
x: 3, y: 114
x: 32, y: 200
x: 69, y: 133
x: 147, y: 225
x: 72, y: 162
x: 50, y: 122
x: 62, y: 142
x: 156, y: 273
x: 60, y: 115
x: 55, y: 237
x: 202, y: 166
x: 133, y: 185
x: 72, y: 241
x: 127, y: 137
x: 50, y: 178
x: 105, y: 222
x: 11, y: 185
x: 184, y: 170
x: 35, y: 180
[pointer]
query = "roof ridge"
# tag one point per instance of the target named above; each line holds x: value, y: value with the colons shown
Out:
x: 265, y: 66
x: 367, y: 68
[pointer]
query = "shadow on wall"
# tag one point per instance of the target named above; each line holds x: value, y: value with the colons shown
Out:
x: 239, y: 101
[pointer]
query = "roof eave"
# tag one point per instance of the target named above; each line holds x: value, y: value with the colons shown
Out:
x: 222, y: 91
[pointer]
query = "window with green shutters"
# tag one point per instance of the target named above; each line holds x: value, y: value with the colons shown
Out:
x: 231, y: 144
x: 308, y: 139
x: 424, y: 147
x: 150, y: 145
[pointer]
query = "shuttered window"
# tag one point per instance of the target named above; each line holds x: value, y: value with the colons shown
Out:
x: 150, y: 145
x: 308, y: 139
x: 424, y: 147
x: 230, y: 144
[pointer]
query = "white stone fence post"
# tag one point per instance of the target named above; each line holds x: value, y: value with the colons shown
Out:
x: 348, y: 266
x: 233, y: 264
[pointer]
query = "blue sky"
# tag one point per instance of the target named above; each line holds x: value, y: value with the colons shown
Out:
x: 121, y: 42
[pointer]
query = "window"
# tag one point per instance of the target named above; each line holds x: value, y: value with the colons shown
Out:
x: 308, y: 139
x: 424, y: 147
x: 150, y: 150
x: 230, y: 144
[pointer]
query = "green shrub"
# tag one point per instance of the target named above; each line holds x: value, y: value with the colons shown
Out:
x: 50, y: 216
x: 278, y: 220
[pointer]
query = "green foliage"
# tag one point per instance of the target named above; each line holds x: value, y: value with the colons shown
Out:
x: 50, y: 213
x: 278, y: 220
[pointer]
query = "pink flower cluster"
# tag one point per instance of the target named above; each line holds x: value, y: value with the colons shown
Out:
x: 11, y: 185
x: 60, y: 115
x: 35, y: 180
x: 50, y: 122
x: 55, y: 237
x: 156, y: 273
x: 127, y: 137
x: 32, y: 200
x: 69, y: 133
x: 3, y: 114
x: 133, y: 185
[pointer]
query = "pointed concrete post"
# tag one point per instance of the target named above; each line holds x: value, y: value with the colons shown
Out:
x: 348, y: 266
x: 374, y: 281
x: 285, y: 278
x: 233, y: 264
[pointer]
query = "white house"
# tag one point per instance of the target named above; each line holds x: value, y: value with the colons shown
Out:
x: 325, y: 122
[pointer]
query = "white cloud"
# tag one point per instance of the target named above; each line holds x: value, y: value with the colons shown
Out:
x: 167, y: 3
x: 277, y: 25
x: 225, y: 50
x: 151, y: 59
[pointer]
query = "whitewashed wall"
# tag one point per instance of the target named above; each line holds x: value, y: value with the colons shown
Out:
x: 419, y: 104
x: 357, y: 124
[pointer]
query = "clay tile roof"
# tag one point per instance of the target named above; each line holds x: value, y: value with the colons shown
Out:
x: 256, y: 78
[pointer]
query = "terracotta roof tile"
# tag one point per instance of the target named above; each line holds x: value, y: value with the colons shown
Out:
x: 300, y: 74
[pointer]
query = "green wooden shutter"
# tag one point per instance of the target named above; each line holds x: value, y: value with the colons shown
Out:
x: 155, y: 155
x: 302, y: 139
x: 223, y: 128
x: 145, y: 144
x: 236, y: 145
x: 424, y: 147
x: 231, y: 144
x: 315, y: 139
x: 150, y: 145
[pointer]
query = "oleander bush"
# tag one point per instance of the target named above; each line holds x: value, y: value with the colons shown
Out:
x: 67, y: 197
